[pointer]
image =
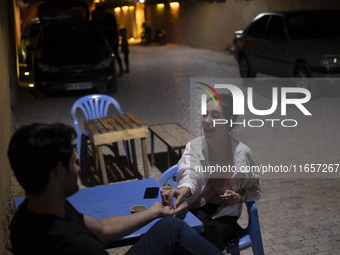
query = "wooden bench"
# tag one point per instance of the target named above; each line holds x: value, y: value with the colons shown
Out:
x: 173, y: 135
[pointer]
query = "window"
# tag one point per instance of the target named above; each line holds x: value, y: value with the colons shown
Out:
x: 276, y: 31
x: 258, y: 27
x: 316, y: 24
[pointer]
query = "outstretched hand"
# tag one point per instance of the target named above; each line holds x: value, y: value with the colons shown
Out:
x: 164, y: 210
x: 169, y: 195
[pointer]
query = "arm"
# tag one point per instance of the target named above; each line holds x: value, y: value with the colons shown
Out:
x: 116, y: 227
x: 189, y: 174
x: 189, y: 181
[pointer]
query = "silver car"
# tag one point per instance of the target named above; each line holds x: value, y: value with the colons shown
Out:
x: 304, y: 43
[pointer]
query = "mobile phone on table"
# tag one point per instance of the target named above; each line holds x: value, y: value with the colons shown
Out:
x: 151, y: 192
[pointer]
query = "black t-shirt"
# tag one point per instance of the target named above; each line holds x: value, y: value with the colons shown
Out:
x: 33, y: 233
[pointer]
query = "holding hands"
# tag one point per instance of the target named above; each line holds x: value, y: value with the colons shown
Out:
x: 229, y: 197
x: 160, y: 210
x: 169, y: 195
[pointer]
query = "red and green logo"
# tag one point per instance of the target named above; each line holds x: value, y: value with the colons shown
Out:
x: 204, y: 97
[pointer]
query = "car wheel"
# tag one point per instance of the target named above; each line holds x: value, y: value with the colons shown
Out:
x: 303, y: 73
x: 245, y: 68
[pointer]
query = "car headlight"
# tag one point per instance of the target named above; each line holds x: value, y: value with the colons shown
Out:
x: 330, y: 62
x: 104, y: 63
x: 47, y: 68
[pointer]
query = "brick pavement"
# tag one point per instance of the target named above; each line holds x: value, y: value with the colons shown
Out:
x: 297, y: 215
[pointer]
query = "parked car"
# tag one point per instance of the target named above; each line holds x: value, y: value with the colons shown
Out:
x: 300, y: 43
x: 72, y: 56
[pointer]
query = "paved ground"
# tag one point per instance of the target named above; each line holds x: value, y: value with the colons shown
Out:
x: 297, y: 215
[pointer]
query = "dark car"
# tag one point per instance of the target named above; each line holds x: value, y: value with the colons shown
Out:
x: 300, y: 43
x: 72, y: 56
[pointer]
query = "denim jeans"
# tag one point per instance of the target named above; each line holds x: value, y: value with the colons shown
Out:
x: 172, y: 236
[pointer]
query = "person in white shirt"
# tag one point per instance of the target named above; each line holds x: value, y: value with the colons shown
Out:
x: 214, y: 175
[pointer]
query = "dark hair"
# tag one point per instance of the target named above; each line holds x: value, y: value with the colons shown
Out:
x: 34, y: 150
x: 227, y: 105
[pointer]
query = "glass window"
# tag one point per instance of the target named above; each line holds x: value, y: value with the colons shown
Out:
x: 276, y: 31
x: 71, y: 37
x: 258, y: 27
x: 314, y: 24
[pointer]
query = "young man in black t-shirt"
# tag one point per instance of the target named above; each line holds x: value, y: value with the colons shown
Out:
x: 45, y: 164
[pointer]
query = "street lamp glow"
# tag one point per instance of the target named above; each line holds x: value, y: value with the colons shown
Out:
x: 174, y: 4
x: 26, y: 73
x: 31, y: 85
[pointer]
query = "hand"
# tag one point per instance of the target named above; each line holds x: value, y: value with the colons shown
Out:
x: 230, y: 197
x: 164, y: 210
x: 169, y: 195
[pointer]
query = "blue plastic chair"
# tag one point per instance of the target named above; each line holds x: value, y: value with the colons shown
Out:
x: 249, y: 237
x: 168, y: 175
x: 94, y: 106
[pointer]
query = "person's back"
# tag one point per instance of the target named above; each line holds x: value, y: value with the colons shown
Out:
x: 110, y: 31
x: 109, y: 26
x: 33, y: 233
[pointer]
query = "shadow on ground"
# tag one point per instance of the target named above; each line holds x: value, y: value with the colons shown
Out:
x: 117, y: 170
x: 161, y: 160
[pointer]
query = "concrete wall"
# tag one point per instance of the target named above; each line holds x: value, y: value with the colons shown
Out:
x: 211, y: 24
x: 7, y: 81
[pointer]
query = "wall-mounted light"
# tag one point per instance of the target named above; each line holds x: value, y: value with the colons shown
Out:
x: 174, y: 4
x: 117, y: 9
x: 96, y: 1
x: 160, y: 5
x: 131, y: 7
x: 125, y: 8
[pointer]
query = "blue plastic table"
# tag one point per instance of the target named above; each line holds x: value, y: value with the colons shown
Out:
x: 116, y: 199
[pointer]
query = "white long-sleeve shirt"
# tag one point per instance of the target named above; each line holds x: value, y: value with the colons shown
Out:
x: 191, y: 174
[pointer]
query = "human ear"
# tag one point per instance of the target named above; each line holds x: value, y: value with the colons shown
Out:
x: 58, y: 170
